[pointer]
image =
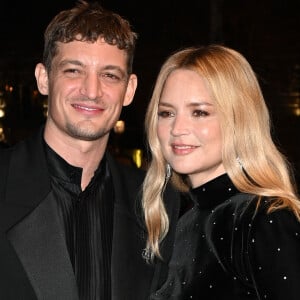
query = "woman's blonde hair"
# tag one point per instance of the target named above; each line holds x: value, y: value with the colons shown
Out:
x: 250, y: 157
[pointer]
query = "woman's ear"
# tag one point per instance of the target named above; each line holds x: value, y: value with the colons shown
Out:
x: 41, y: 76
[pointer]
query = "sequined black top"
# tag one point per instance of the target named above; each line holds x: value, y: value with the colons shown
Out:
x: 226, y: 249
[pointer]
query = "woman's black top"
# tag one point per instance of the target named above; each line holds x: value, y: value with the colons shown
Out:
x: 225, y: 248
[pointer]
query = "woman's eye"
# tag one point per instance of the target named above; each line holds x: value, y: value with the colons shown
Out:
x: 200, y: 113
x: 165, y: 114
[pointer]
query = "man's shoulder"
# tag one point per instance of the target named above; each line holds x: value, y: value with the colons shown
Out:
x: 21, y: 155
x: 31, y: 140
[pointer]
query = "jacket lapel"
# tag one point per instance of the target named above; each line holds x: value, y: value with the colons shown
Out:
x: 33, y: 227
x: 40, y: 246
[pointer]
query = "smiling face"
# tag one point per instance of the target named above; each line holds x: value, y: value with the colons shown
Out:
x: 188, y: 127
x: 87, y: 86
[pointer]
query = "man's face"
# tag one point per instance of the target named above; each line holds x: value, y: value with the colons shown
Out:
x: 87, y: 86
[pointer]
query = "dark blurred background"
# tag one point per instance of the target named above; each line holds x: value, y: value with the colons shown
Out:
x: 267, y: 32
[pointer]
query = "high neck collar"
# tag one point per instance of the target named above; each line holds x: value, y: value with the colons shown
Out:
x: 214, y: 192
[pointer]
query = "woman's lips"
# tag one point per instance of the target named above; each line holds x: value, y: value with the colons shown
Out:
x: 181, y: 149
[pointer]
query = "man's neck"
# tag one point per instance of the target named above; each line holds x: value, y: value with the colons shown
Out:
x: 84, y: 154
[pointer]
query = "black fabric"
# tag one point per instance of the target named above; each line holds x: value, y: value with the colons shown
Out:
x: 225, y: 249
x: 3, y: 172
x: 34, y: 259
x: 14, y: 271
x: 87, y: 218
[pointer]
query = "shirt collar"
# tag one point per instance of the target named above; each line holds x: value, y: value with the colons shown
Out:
x: 62, y: 170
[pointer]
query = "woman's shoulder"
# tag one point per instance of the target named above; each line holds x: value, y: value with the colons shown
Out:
x: 239, y: 207
x: 243, y: 210
x: 245, y: 207
x: 242, y: 225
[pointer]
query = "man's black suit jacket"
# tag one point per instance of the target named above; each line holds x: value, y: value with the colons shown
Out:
x: 34, y: 261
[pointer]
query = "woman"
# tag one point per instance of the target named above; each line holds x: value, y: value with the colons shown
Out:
x: 238, y: 236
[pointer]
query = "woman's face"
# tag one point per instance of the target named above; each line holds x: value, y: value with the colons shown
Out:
x: 188, y: 127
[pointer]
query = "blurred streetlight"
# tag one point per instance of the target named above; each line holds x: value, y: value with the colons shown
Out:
x: 119, y: 127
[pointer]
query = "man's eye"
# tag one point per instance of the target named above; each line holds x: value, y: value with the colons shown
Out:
x: 109, y: 77
x: 165, y: 114
x: 71, y: 71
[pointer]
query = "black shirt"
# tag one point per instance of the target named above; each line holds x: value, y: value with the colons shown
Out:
x: 87, y: 220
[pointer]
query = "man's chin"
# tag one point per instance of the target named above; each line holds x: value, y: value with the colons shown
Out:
x: 86, y: 134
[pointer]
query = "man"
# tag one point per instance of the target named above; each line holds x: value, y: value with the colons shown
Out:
x: 70, y: 217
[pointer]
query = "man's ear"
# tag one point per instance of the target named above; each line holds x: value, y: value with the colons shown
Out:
x: 130, y: 91
x: 41, y: 77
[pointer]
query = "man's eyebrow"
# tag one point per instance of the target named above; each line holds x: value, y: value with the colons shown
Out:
x: 114, y: 67
x: 70, y: 61
x: 79, y: 63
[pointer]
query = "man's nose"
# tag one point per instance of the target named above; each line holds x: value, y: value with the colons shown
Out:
x: 92, y: 87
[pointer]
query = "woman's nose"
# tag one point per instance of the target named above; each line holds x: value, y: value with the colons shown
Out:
x: 180, y: 126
